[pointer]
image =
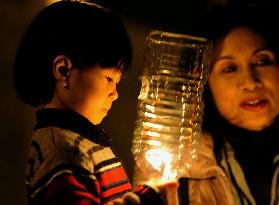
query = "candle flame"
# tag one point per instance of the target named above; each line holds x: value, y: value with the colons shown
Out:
x: 161, y: 160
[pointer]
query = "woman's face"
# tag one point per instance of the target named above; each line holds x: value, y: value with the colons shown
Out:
x: 92, y: 92
x: 244, y: 80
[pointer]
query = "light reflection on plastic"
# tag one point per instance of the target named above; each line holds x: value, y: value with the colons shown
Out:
x: 147, y: 114
x: 154, y: 143
x: 153, y: 125
x: 152, y: 134
x: 150, y: 107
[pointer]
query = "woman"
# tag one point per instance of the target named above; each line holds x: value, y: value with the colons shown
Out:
x: 239, y: 148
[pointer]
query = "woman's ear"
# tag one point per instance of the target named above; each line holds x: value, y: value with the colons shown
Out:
x: 61, y: 70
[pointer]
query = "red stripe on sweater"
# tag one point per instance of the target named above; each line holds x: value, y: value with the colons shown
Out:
x: 112, y: 176
x: 115, y: 190
x: 69, y: 187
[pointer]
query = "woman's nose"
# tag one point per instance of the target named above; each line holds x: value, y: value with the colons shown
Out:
x: 249, y: 79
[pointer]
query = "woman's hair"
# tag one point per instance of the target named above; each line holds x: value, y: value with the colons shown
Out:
x: 221, y: 19
x: 86, y: 33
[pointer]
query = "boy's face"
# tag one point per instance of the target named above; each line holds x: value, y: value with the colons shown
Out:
x: 92, y: 92
x: 244, y: 80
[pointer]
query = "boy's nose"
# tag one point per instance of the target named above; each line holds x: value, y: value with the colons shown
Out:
x: 114, y: 95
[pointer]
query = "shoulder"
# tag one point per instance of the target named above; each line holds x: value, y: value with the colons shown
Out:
x: 59, y: 149
x: 205, y: 165
x: 205, y: 146
x: 208, y: 182
x: 63, y: 145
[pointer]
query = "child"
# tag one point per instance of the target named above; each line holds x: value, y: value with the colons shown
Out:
x: 68, y: 64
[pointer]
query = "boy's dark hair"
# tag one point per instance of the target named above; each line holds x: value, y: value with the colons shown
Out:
x: 86, y: 33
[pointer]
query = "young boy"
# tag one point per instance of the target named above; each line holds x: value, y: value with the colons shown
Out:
x: 69, y: 63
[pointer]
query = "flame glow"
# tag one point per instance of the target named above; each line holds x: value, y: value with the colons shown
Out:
x: 161, y: 160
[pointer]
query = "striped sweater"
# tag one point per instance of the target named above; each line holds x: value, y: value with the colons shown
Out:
x: 70, y: 162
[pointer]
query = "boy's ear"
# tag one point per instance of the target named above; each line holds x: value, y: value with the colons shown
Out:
x: 61, y: 70
x: 61, y: 67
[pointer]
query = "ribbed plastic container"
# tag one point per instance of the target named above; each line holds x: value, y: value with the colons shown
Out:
x: 170, y: 104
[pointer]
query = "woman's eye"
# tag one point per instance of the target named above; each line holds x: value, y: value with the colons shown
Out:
x: 264, y: 61
x: 109, y: 79
x: 265, y: 58
x: 229, y: 69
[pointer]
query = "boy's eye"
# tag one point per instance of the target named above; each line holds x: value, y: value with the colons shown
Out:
x: 109, y: 79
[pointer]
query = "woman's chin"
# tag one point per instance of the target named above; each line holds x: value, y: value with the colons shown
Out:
x: 257, y: 125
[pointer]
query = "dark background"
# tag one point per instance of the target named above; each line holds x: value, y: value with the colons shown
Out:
x: 17, y: 119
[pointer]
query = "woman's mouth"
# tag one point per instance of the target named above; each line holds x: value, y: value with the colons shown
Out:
x: 254, y: 105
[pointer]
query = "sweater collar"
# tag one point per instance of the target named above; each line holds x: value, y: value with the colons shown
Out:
x: 72, y: 121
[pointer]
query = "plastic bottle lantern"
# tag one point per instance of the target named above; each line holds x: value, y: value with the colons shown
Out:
x: 170, y: 104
